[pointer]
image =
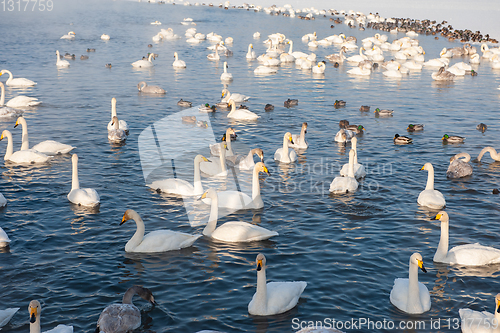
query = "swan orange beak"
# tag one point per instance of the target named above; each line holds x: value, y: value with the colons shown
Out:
x: 498, y: 307
x: 124, y: 219
x: 1, y: 137
x: 17, y: 123
x: 205, y: 159
x: 422, y: 168
x: 421, y: 265
x: 259, y: 265
x: 203, y: 196
x: 437, y: 217
x: 266, y: 170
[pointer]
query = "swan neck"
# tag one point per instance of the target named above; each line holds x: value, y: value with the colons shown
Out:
x: 25, y: 141
x: 285, y: 157
x: 350, y: 171
x: 430, y: 180
x: 139, y: 233
x: 222, y: 158
x: 302, y: 136
x: 35, y: 327
x: 10, y: 146
x: 127, y: 297
x: 413, y: 289
x: 10, y: 76
x: 261, y: 293
x: 214, y: 215
x: 291, y: 48
x: 442, y: 249
x: 233, y: 107
x: 198, y: 187
x: 75, y: 184
x: 492, y: 151
x: 255, y: 184
x: 228, y: 143
x: 113, y: 108
x: 2, y: 98
x: 150, y: 56
x: 355, y: 152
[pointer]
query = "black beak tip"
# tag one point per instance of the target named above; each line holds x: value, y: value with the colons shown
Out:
x: 15, y: 125
x: 122, y: 222
x: 498, y: 310
x: 423, y: 269
x: 33, y: 318
x: 259, y: 267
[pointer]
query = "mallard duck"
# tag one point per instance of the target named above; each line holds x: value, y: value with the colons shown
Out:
x: 291, y: 102
x: 356, y: 128
x: 383, y: 113
x: 269, y: 107
x: 184, y: 103
x: 343, y: 123
x: 364, y: 108
x: 207, y: 108
x: 402, y: 140
x: 415, y: 127
x: 84, y: 57
x: 108, y: 65
x: 453, y: 138
x: 90, y: 50
x: 339, y: 103
x: 481, y: 127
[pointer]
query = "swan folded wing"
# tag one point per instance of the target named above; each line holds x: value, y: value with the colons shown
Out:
x: 237, y: 231
x: 6, y: 315
x: 343, y: 184
x: 283, y: 296
x: 173, y: 186
x: 119, y: 318
x: 359, y: 170
x: 122, y: 125
x: 399, y: 295
x: 432, y: 199
x: 117, y: 135
x: 234, y: 199
x: 28, y: 156
x: 165, y: 240
x: 23, y: 101
x: 473, y: 255
x: 8, y: 112
x: 477, y: 322
x: 85, y: 197
x: 61, y: 329
x: 51, y: 147
x: 245, y: 115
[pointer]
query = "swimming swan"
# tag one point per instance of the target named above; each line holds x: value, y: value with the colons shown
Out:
x: 124, y: 317
x: 28, y: 156
x: 61, y: 62
x: 348, y: 183
x: 216, y: 147
x: 4, y: 242
x: 16, y: 102
x: 144, y: 63
x: 240, y: 200
x: 17, y: 82
x: 430, y: 197
x: 247, y: 163
x: 6, y: 315
x: 284, y: 154
x: 87, y: 197
x: 155, y: 241
x: 35, y: 310
x: 226, y: 76
x: 70, y: 35
x: 359, y: 169
x: 116, y: 135
x: 178, y: 63
x: 493, y: 153
x: 409, y: 295
x: 251, y: 53
x: 237, y: 98
x: 143, y: 87
x: 481, y: 322
x: 234, y: 231
x: 216, y: 167
x: 273, y: 297
x: 467, y: 254
x: 47, y: 147
x: 458, y: 167
x: 122, y: 123
x: 180, y: 186
x: 299, y: 141
x: 241, y: 114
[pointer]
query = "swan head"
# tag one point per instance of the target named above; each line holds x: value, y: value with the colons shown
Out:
x: 260, y: 167
x: 416, y: 259
x: 19, y: 121
x: 304, y: 126
x: 442, y: 216
x: 34, y: 308
x: 224, y: 93
x: 114, y: 120
x: 74, y: 158
x: 143, y: 293
x: 175, y: 55
x: 288, y: 136
x: 210, y: 193
x: 200, y: 158
x: 260, y: 262
x: 128, y: 214
x: 427, y: 166
x: 259, y: 153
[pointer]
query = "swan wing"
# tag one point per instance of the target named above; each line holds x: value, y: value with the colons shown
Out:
x: 473, y: 255
x: 432, y: 199
x: 283, y: 296
x: 236, y: 231
x: 234, y: 200
x: 399, y: 294
x: 28, y: 156
x: 165, y: 240
x: 61, y: 329
x: 22, y: 101
x: 477, y: 322
x: 51, y: 147
x: 425, y: 297
x: 173, y: 186
x: 85, y: 197
x: 119, y: 318
x: 6, y: 315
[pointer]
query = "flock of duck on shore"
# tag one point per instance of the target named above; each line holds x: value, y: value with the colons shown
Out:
x: 272, y: 298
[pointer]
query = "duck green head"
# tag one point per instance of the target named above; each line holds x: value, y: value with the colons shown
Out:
x: 207, y: 105
x: 361, y: 128
x: 411, y: 126
x: 377, y: 110
x: 445, y: 137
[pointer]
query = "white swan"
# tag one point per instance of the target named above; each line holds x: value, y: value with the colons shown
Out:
x: 430, y: 197
x: 122, y: 123
x: 214, y: 56
x: 247, y: 163
x: 409, y: 295
x: 215, y: 148
x: 28, y: 156
x: 3, y: 201
x: 116, y: 135
x: 61, y: 62
x: 233, y: 231
x: 288, y: 57
x: 155, y: 241
x: 144, y: 63
x: 458, y: 167
x: 17, y: 82
x: 274, y: 297
x: 35, y: 310
x: 105, y: 37
x: 284, y: 154
x: 240, y: 114
x: 238, y: 98
x: 70, y: 35
x: 265, y: 70
x: 8, y: 110
x: 124, y: 317
x: 4, y: 242
x: 467, y: 254
x: 348, y: 183
x: 493, y: 153
x: 358, y: 57
x: 359, y: 71
x: 47, y: 147
x: 481, y: 322
x: 240, y: 200
x: 320, y: 68
x: 87, y: 197
x: 178, y: 63
x: 251, y: 53
x: 226, y: 76
x: 145, y: 88
x: 6, y: 315
x: 180, y: 186
x: 299, y: 141
x: 216, y: 167
x: 359, y: 169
